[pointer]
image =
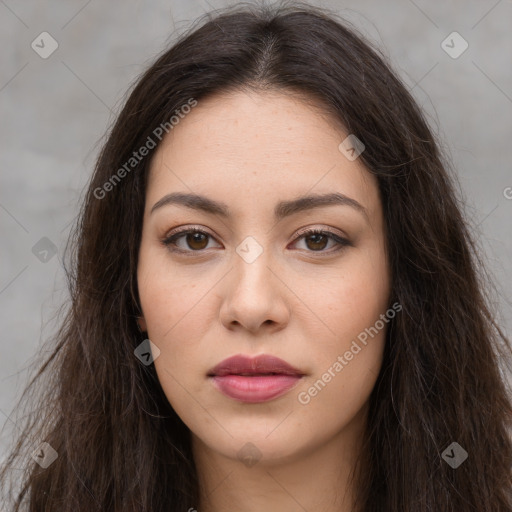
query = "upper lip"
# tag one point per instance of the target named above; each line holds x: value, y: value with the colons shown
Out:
x: 262, y: 364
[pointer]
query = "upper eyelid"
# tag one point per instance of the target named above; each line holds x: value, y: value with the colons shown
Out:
x: 298, y: 235
x: 299, y: 232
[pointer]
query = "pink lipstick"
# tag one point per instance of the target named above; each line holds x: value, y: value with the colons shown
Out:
x: 254, y: 379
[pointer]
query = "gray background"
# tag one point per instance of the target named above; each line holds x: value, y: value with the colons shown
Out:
x: 54, y: 112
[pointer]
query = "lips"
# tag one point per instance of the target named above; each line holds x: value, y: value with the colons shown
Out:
x: 254, y: 380
x: 259, y: 365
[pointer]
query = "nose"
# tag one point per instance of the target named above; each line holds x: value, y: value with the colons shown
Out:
x: 255, y: 297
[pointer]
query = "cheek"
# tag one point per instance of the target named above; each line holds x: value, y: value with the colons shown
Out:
x: 351, y: 307
x: 351, y: 297
x: 174, y: 309
x: 347, y: 363
x: 179, y: 305
x: 176, y: 319
x: 335, y: 398
x: 177, y: 322
x: 169, y: 298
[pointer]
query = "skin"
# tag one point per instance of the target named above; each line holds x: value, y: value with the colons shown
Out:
x: 300, y: 300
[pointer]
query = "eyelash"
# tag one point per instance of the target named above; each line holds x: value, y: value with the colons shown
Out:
x: 170, y: 241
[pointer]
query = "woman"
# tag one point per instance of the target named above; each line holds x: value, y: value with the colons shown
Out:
x: 276, y: 302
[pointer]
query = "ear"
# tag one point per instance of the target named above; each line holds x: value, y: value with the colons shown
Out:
x: 142, y: 324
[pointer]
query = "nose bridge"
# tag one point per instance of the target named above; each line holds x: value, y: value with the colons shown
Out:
x: 253, y: 265
x: 253, y: 296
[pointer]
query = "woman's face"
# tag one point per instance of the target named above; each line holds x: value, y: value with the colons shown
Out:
x: 256, y: 284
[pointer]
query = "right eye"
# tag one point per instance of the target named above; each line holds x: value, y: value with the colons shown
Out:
x: 196, y: 240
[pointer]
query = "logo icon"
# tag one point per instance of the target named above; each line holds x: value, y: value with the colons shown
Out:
x: 44, y: 250
x: 351, y: 147
x: 249, y: 454
x: 249, y: 249
x: 454, y: 45
x: 146, y: 352
x: 44, y: 455
x: 44, y: 45
x: 455, y: 455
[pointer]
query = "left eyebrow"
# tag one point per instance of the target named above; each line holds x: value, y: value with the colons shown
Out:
x: 282, y: 209
x: 286, y: 208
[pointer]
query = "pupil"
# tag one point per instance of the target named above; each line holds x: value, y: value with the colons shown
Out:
x: 317, y: 236
x: 196, y: 238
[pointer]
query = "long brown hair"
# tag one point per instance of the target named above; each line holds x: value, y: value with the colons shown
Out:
x: 120, y: 445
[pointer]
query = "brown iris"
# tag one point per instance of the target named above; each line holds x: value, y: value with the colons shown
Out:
x: 316, y: 237
x: 201, y: 239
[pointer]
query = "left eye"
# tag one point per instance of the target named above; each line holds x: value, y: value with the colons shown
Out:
x: 196, y: 239
x: 318, y: 239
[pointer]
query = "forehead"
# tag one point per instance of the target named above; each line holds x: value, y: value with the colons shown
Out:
x: 257, y: 146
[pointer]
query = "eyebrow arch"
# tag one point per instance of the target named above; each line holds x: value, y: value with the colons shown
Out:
x: 283, y: 208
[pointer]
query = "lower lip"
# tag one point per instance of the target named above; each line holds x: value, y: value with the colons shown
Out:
x: 261, y: 388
